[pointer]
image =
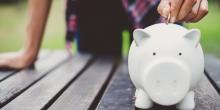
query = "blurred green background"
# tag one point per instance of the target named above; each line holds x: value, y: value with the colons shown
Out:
x: 13, y: 18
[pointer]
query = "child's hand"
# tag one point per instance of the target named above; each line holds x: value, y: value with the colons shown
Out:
x: 183, y: 10
x: 15, y: 60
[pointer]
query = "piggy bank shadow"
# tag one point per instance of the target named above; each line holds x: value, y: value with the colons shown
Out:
x: 159, y: 107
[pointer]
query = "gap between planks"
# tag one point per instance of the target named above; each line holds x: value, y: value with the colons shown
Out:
x: 119, y: 94
x: 212, y: 70
x: 4, y: 74
x: 84, y: 90
x: 18, y: 83
x: 45, y: 90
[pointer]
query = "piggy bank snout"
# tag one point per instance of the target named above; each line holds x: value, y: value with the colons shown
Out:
x: 166, y: 81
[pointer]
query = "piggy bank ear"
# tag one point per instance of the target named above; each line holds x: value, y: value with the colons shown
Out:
x: 193, y: 36
x: 139, y: 35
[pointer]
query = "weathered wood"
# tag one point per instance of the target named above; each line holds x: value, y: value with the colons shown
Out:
x: 212, y: 68
x: 206, y: 96
x: 81, y: 94
x: 41, y: 93
x: 16, y: 84
x: 120, y: 92
x: 7, y: 73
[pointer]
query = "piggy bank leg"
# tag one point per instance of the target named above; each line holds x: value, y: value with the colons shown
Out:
x: 188, y: 102
x: 142, y: 100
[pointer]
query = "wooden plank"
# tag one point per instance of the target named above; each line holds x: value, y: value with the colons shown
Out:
x: 120, y: 92
x: 16, y: 84
x: 212, y: 68
x: 7, y: 73
x: 46, y: 89
x: 206, y: 96
x: 81, y: 94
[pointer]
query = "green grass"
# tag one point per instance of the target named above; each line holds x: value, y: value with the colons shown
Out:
x: 55, y: 31
x: 210, y: 29
x: 125, y: 42
x: 13, y: 21
x: 11, y: 27
x: 13, y: 24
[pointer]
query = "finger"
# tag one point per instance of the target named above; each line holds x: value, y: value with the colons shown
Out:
x: 3, y: 63
x: 164, y: 8
x: 193, y: 12
x: 185, y: 9
x: 174, y: 9
x: 189, y: 16
x: 203, y: 10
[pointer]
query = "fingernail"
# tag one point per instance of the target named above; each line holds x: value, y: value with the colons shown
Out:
x: 173, y: 19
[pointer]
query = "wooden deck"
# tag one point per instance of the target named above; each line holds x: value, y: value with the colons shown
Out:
x: 61, y: 82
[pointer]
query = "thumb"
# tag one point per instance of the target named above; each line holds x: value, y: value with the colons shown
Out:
x: 175, y: 8
x: 164, y: 8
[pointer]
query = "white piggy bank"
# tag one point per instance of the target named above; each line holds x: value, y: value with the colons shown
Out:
x: 165, y: 63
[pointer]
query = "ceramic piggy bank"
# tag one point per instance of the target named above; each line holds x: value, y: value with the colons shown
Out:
x: 165, y: 63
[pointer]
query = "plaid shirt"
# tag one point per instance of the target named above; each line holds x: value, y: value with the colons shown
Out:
x: 136, y: 9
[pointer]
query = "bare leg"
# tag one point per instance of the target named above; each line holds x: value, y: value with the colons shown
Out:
x: 142, y: 100
x: 188, y: 102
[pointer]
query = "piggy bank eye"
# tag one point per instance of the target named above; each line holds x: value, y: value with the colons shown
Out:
x: 154, y: 53
x: 180, y: 53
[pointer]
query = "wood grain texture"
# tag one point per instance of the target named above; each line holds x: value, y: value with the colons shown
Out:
x: 7, y: 73
x: 207, y: 97
x: 81, y: 94
x: 212, y: 68
x: 41, y: 93
x: 120, y: 92
x: 16, y: 84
